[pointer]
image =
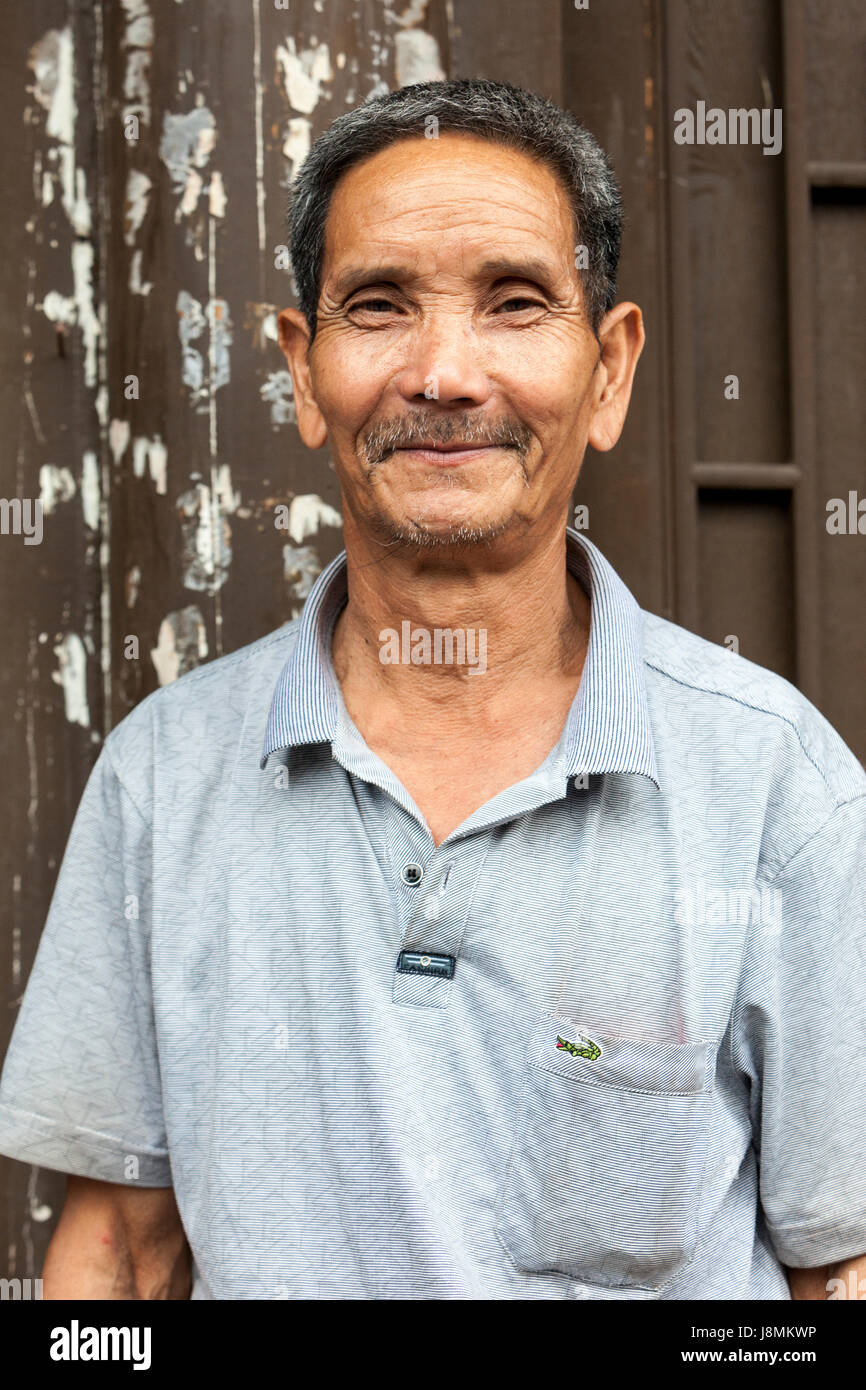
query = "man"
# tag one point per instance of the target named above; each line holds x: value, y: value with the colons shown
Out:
x: 375, y: 969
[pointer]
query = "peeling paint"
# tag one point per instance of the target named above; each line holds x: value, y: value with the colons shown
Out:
x: 303, y: 74
x: 261, y: 321
x: 192, y: 321
x: 413, y: 13
x: 139, y: 24
x: 181, y: 644
x: 118, y: 438
x: 88, y: 321
x: 226, y: 496
x: 301, y: 567
x: 278, y: 392
x: 135, y: 282
x: 185, y: 147
x: 100, y: 404
x: 307, y: 514
x: 207, y: 549
x: 58, y: 308
x: 258, y: 87
x: 296, y: 144
x: 416, y: 57
x: 55, y: 485
x: 90, y: 490
x: 151, y: 454
x: 72, y: 676
x: 138, y: 187
x: 217, y: 195
x: 52, y: 61
x: 39, y: 1211
x: 132, y: 585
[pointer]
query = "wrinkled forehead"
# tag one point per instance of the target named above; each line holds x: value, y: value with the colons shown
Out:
x: 459, y: 198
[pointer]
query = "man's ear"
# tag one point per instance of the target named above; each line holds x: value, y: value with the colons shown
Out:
x: 294, y: 338
x: 621, y: 335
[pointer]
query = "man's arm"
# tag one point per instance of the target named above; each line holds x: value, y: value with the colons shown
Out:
x: 116, y: 1241
x: 812, y: 1283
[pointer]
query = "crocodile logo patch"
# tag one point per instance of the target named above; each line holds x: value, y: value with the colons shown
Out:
x: 591, y: 1050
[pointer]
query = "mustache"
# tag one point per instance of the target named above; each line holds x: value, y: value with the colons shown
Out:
x: 411, y: 431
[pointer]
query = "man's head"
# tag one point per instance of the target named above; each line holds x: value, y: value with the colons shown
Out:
x: 455, y: 247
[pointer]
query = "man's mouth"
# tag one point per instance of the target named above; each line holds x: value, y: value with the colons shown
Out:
x: 454, y: 452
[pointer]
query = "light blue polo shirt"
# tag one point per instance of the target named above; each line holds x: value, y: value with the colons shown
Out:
x: 624, y: 1055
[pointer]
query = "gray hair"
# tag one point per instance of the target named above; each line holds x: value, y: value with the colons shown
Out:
x: 498, y: 111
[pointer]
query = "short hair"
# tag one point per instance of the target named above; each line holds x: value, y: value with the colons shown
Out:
x: 497, y: 111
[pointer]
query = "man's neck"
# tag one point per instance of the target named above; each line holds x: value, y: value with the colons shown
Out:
x: 531, y: 619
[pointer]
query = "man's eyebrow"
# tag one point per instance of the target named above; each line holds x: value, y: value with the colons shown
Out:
x: 495, y: 267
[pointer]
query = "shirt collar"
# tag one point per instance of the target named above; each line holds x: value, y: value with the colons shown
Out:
x: 608, y: 726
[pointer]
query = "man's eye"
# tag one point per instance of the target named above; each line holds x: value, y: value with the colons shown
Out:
x: 521, y: 301
x: 370, y: 303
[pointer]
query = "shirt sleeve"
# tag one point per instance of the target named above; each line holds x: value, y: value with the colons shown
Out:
x: 798, y: 1034
x: 80, y: 1089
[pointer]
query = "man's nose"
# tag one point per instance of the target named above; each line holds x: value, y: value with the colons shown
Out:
x: 444, y: 361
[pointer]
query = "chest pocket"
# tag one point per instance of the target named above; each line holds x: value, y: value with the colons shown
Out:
x: 605, y: 1177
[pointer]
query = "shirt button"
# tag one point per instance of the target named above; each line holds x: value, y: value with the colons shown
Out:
x: 412, y: 873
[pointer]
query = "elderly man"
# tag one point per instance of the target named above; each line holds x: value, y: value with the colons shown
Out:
x: 375, y: 970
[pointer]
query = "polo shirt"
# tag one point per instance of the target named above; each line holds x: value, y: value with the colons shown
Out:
x: 623, y: 1055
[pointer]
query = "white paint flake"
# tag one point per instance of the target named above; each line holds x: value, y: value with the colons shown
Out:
x: 301, y: 567
x: 72, y: 676
x: 307, y: 513
x: 118, y: 438
x: 207, y: 549
x: 132, y: 584
x: 151, y: 455
x: 413, y: 13
x: 185, y: 147
x: 55, y: 485
x: 52, y: 61
x: 90, y: 490
x: 216, y: 195
x: 303, y: 73
x: 135, y: 282
x: 416, y: 57
x: 192, y: 321
x: 296, y: 143
x: 58, y: 308
x: 277, y: 391
x: 181, y: 644
x: 139, y: 24
x: 88, y: 320
x: 138, y: 41
x: 138, y: 187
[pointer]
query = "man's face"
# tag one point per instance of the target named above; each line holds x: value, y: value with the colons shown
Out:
x: 451, y: 314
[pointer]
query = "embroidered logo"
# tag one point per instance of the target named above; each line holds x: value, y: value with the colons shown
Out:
x: 591, y: 1051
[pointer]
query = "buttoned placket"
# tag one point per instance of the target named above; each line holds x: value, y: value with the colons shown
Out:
x: 433, y: 887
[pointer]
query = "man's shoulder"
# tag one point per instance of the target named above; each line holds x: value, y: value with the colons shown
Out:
x: 206, y: 706
x: 739, y: 694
